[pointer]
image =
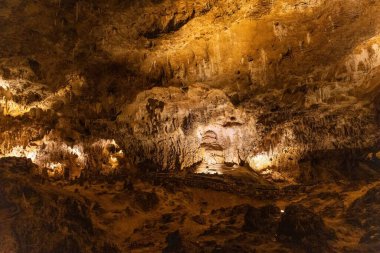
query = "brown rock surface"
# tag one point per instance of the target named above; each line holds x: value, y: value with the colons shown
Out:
x: 101, y: 100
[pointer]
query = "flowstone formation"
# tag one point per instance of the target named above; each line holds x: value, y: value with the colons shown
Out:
x: 179, y: 128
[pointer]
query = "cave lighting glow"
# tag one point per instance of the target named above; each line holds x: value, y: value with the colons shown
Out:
x: 114, y: 162
x: 4, y: 84
x: 12, y: 108
x: 205, y: 168
x: 260, y: 162
x: 55, y: 169
x: 32, y: 155
x: 52, y: 154
x: 15, y: 109
x: 19, y: 151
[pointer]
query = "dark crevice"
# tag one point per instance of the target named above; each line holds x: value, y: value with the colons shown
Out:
x: 172, y: 26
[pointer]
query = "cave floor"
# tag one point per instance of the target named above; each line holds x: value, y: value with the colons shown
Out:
x: 138, y: 216
x: 134, y: 228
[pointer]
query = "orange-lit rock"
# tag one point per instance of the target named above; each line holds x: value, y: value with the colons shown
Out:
x: 187, y: 125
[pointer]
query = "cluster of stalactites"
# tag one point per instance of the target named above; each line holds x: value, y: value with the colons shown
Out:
x: 55, y: 158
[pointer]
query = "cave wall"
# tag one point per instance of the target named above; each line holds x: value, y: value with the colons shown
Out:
x: 154, y: 76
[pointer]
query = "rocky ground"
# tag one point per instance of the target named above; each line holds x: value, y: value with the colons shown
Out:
x: 129, y: 214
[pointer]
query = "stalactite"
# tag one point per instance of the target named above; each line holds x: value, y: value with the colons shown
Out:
x: 76, y: 11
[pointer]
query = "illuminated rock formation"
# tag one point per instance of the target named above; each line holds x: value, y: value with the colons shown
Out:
x: 178, y: 128
x: 262, y: 83
x: 165, y: 125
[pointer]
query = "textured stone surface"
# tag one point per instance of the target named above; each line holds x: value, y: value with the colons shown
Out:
x: 269, y: 81
x: 92, y: 92
x: 177, y: 129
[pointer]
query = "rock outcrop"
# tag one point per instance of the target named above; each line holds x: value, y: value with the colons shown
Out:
x: 179, y: 128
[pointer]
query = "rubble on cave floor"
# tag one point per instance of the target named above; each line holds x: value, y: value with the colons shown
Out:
x: 130, y: 214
